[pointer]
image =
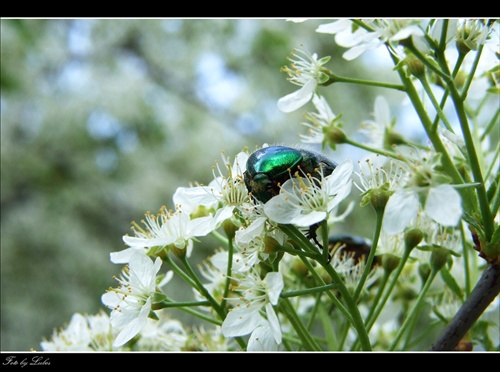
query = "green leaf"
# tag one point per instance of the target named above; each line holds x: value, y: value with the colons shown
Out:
x: 451, y: 282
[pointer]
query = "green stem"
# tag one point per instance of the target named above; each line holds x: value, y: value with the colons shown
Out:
x: 371, y: 320
x: 447, y: 162
x: 165, y: 304
x: 459, y: 62
x: 465, y: 255
x: 426, y: 62
x: 308, y: 291
x: 230, y: 251
x: 327, y: 327
x: 307, y: 341
x: 472, y: 73
x: 324, y: 239
x: 352, y: 311
x: 357, y: 321
x: 215, y: 305
x: 495, y: 202
x: 219, y: 237
x: 414, y: 310
x: 492, y: 124
x: 368, y: 266
x: 186, y: 307
x: 296, y: 252
x: 179, y: 271
x: 299, y: 238
x: 203, y: 291
x: 376, y: 300
x: 332, y: 296
x: 430, y: 94
x: 341, y: 79
x: 458, y: 101
x: 389, y: 154
x: 473, y: 161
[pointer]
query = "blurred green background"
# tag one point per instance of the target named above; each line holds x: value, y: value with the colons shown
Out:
x: 102, y: 119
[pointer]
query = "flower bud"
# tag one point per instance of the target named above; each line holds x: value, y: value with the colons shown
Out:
x: 271, y: 245
x: 299, y: 268
x: 424, y: 270
x: 462, y: 47
x: 390, y: 262
x: 229, y: 228
x: 379, y: 198
x: 392, y: 138
x: 178, y: 252
x: 439, y: 257
x: 412, y: 238
x: 335, y: 135
x: 415, y: 66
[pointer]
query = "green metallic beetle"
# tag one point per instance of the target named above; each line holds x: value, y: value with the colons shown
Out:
x: 269, y: 167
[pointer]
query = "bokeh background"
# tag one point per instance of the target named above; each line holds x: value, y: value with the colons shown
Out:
x: 102, y: 119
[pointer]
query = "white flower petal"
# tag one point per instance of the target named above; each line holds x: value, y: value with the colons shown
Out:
x: 255, y: 229
x: 406, y: 32
x: 201, y: 226
x: 262, y: 339
x: 123, y: 257
x: 136, y: 242
x: 274, y: 281
x: 189, y: 198
x: 309, y: 218
x: 241, y: 321
x: 280, y: 210
x: 340, y: 177
x: 401, y: 208
x: 334, y: 27
x: 274, y: 323
x: 443, y: 205
x: 341, y: 195
x: 134, y: 327
x: 299, y: 98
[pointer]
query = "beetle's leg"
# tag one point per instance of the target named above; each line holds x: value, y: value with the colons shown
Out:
x: 311, y: 234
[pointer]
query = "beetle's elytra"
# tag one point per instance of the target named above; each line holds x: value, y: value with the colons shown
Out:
x: 269, y: 167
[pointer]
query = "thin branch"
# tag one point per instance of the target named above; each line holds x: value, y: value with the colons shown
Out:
x: 483, y: 294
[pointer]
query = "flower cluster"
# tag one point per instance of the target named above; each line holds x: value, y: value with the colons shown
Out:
x: 281, y: 274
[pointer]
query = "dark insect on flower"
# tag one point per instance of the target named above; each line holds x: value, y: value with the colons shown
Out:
x: 270, y: 167
x: 355, y: 246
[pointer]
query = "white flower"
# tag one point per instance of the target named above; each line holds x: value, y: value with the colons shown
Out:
x: 83, y: 333
x: 441, y: 202
x: 75, y: 337
x: 381, y: 127
x: 224, y: 193
x: 472, y: 33
x: 306, y: 200
x: 351, y: 268
x: 214, y: 269
x: 164, y: 334
x: 319, y: 121
x: 359, y: 40
x: 256, y: 294
x: 252, y: 241
x: 306, y: 72
x: 262, y: 338
x: 131, y: 301
x: 162, y: 230
x: 377, y: 171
